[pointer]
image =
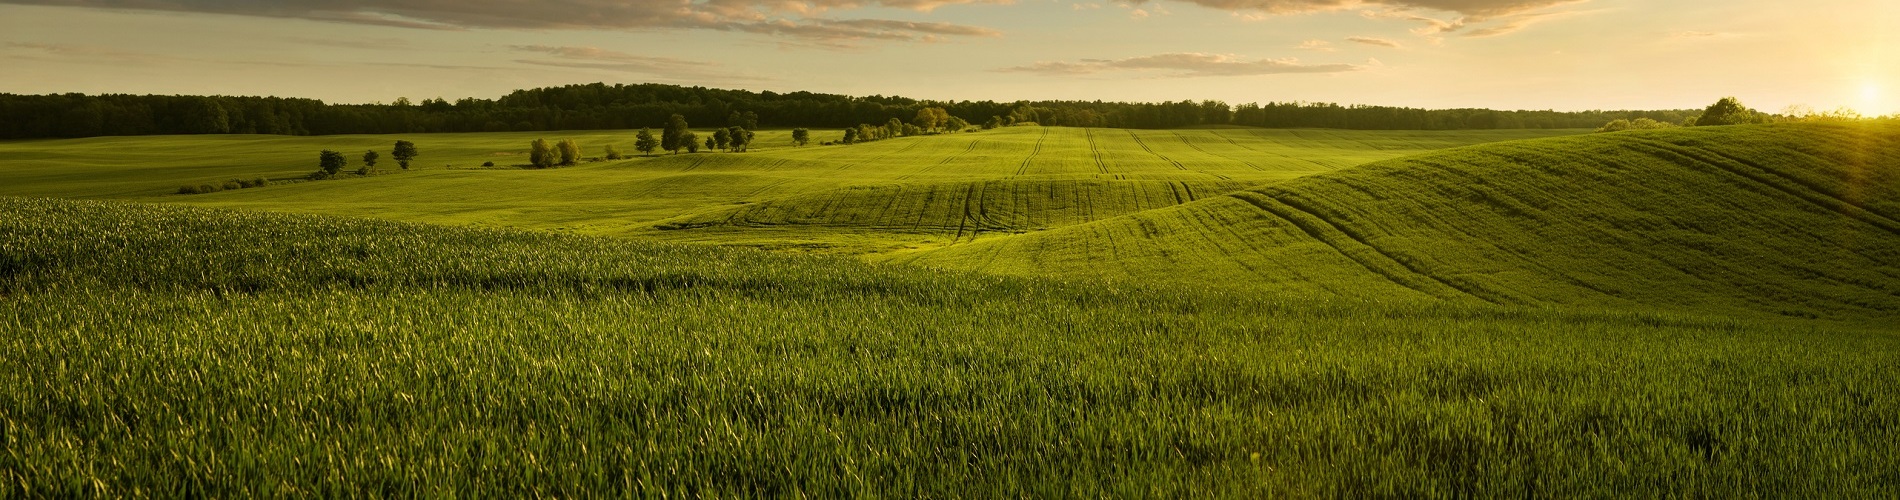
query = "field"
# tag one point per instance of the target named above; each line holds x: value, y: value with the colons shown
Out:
x: 1022, y: 312
x: 868, y: 198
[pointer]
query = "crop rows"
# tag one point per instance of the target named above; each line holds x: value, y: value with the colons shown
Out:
x: 1795, y: 220
x: 144, y: 352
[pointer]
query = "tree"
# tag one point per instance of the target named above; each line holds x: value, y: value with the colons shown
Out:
x: 721, y: 138
x: 331, y: 162
x: 645, y: 143
x: 850, y: 136
x: 691, y: 140
x: 613, y: 153
x: 570, y: 151
x: 710, y: 146
x: 369, y: 158
x: 751, y: 122
x: 670, y: 138
x: 801, y: 136
x: 739, y: 139
x: 930, y: 119
x: 956, y: 125
x: 404, y: 152
x: 994, y: 123
x: 893, y: 128
x: 1727, y: 111
x: 541, y: 154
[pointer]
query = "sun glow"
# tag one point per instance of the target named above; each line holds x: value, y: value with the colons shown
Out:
x: 1871, y: 99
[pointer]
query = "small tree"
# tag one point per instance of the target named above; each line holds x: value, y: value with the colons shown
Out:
x: 721, y: 138
x: 676, y: 127
x: 691, y: 140
x: 994, y: 123
x: 931, y: 118
x: 612, y: 153
x: 369, y: 159
x: 801, y: 136
x: 331, y: 162
x: 645, y: 143
x: 739, y: 138
x: 541, y: 154
x: 710, y: 146
x: 1727, y: 111
x: 956, y: 125
x: 404, y: 152
x: 570, y: 152
x: 851, y: 136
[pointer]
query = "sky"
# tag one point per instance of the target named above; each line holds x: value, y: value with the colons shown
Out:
x: 1501, y: 54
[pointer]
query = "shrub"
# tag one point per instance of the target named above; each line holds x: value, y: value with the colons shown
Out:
x: 232, y: 185
x: 188, y: 189
x: 207, y: 188
x: 488, y: 164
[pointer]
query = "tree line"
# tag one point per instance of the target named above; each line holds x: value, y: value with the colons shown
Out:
x: 615, y: 107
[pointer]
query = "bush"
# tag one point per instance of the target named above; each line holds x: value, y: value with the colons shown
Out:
x: 488, y: 164
x: 188, y: 189
x: 207, y: 189
x: 232, y: 186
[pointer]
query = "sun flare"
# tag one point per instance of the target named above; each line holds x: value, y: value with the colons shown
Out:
x: 1871, y: 99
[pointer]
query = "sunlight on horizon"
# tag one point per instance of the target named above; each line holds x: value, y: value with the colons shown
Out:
x: 1872, y: 100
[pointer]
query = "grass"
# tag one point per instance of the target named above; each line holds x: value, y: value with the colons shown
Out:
x: 1801, y: 220
x: 143, y: 354
x: 1022, y: 312
x: 1106, y: 169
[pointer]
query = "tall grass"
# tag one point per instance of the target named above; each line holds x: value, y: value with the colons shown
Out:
x: 155, y: 351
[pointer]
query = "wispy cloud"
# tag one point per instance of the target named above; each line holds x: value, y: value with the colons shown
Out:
x: 1476, y: 8
x: 1481, y: 17
x: 1379, y: 42
x: 1182, y: 65
x: 1319, y: 45
x: 609, y: 60
x: 752, y: 16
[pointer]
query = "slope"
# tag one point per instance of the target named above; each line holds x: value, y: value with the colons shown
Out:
x: 1799, y: 219
x: 1110, y: 171
x: 142, y: 352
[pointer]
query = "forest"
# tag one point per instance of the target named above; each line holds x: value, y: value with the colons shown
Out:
x: 611, y: 107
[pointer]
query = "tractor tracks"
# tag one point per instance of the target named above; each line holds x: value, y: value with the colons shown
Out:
x: 1024, y: 169
x: 1356, y: 247
x: 1144, y: 147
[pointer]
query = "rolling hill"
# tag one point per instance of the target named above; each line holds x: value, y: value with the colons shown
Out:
x: 151, y: 350
x: 1796, y: 219
x: 851, y: 199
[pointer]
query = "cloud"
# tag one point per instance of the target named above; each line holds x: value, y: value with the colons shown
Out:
x: 1502, y: 16
x: 1381, y: 42
x: 1319, y: 45
x: 1182, y: 65
x: 752, y: 16
x: 1474, y: 8
x: 609, y: 60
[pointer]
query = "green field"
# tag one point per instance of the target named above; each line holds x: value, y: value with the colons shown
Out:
x: 864, y: 198
x: 1044, y: 312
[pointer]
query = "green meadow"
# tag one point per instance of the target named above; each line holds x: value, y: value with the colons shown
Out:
x: 1022, y: 312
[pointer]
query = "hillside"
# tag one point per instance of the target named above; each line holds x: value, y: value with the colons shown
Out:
x: 145, y: 352
x: 863, y: 198
x: 1799, y: 219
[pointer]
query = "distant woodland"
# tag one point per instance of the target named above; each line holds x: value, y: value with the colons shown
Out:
x: 600, y: 106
